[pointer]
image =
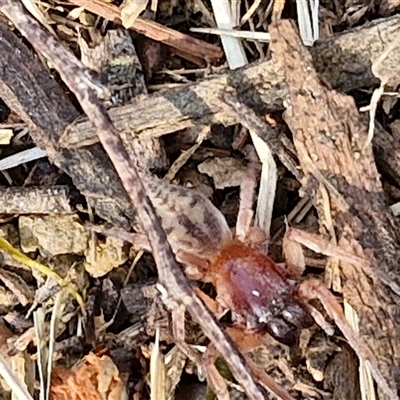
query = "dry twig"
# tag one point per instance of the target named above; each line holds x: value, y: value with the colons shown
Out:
x: 186, y: 46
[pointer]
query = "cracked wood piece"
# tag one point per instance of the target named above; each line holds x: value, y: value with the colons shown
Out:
x: 329, y: 136
x: 343, y: 60
x: 178, y: 290
x: 35, y: 200
x: 114, y: 55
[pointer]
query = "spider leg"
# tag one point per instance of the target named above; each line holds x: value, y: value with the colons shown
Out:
x: 137, y: 239
x: 178, y: 330
x: 195, y: 266
x: 315, y: 289
x: 210, y: 303
x: 293, y: 240
x: 295, y: 263
x: 318, y: 244
x: 247, y: 341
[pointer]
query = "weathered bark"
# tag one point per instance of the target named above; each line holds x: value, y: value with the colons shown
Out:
x: 344, y: 61
x: 329, y: 136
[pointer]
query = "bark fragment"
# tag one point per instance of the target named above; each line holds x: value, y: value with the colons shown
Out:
x: 329, y: 136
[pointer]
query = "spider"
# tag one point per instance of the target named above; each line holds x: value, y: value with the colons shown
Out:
x: 263, y: 296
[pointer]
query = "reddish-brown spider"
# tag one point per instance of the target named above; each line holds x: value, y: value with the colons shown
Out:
x: 262, y: 295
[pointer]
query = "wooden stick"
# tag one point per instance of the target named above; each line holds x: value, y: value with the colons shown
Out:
x: 184, y: 45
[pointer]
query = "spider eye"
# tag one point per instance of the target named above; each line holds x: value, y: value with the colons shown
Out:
x: 287, y: 315
x: 282, y: 331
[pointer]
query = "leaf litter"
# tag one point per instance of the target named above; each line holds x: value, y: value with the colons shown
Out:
x: 153, y: 366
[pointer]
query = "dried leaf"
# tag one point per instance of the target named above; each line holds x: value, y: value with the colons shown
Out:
x: 107, y: 256
x: 53, y: 235
x: 75, y: 13
x: 95, y: 378
x: 226, y: 172
x: 24, y: 368
x: 175, y: 362
x: 17, y: 286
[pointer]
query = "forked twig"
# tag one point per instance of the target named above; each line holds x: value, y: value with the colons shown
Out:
x: 86, y: 90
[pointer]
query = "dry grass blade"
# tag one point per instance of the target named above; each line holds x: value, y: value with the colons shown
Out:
x: 252, y: 9
x: 178, y: 289
x: 46, y: 342
x: 367, y: 386
x: 37, y: 266
x: 17, y: 387
x: 249, y: 35
x: 157, y: 371
x: 269, y: 178
x: 233, y: 48
x: 58, y: 308
x: 42, y: 352
x: 308, y: 24
x: 21, y: 157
